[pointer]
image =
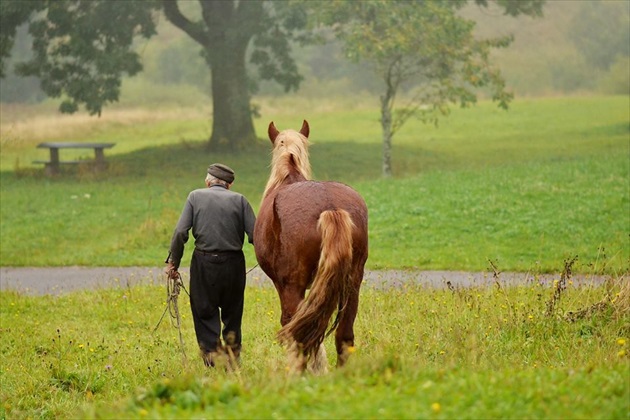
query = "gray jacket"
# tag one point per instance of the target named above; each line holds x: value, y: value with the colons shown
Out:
x: 219, y: 219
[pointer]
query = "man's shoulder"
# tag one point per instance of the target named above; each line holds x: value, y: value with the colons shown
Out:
x: 217, y: 192
x: 197, y: 192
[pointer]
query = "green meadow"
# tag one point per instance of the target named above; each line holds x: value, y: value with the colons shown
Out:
x: 525, y: 190
x: 419, y: 353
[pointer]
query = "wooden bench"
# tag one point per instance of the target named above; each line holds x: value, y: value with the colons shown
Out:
x: 52, y: 166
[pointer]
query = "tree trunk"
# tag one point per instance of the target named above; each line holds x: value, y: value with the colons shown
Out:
x: 227, y: 28
x: 232, y: 123
x: 386, y: 125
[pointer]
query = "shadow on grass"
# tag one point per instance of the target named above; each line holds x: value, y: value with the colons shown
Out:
x: 342, y: 161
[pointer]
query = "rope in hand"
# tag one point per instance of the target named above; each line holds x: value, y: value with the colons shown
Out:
x: 173, y: 287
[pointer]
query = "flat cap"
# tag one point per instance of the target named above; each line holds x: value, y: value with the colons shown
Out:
x: 221, y: 171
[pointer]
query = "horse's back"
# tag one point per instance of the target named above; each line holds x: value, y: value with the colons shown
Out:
x: 303, y: 202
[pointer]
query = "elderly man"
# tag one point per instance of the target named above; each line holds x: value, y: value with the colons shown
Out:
x: 219, y: 219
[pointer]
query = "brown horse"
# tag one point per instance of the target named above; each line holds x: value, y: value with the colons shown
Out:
x: 311, y: 234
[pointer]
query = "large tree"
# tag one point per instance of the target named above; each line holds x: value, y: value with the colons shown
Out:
x: 425, y: 46
x: 83, y: 48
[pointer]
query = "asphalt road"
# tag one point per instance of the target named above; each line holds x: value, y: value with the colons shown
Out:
x: 59, y: 280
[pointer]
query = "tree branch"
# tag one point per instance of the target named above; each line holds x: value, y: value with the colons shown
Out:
x: 175, y: 16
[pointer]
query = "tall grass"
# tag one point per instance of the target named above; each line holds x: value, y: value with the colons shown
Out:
x: 528, y: 187
x: 448, y: 353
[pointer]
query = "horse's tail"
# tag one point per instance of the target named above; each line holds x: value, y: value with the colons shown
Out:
x: 330, y: 285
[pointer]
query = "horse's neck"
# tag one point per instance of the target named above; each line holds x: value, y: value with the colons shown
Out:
x: 283, y: 175
x: 293, y: 177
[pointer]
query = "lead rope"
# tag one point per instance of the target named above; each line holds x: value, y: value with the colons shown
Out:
x: 173, y: 287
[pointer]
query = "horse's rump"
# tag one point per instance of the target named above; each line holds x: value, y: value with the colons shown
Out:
x: 299, y: 206
x: 330, y: 286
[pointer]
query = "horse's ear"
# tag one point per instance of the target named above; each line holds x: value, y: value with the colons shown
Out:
x: 273, y: 132
x: 305, y: 130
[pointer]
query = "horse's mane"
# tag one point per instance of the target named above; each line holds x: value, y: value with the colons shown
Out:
x: 290, y: 155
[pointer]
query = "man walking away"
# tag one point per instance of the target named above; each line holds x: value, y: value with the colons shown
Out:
x: 219, y: 219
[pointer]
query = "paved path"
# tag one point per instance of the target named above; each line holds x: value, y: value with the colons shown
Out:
x: 58, y: 280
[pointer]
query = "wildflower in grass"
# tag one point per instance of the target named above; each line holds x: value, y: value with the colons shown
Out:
x: 81, y: 346
x: 621, y: 341
x: 351, y: 349
x: 436, y: 407
x: 621, y: 353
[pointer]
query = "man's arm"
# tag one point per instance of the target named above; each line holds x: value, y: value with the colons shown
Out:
x: 180, y: 235
x: 249, y: 220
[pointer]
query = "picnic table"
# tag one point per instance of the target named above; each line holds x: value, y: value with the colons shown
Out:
x: 53, y: 165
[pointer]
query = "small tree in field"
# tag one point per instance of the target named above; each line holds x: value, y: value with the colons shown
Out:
x: 424, y: 44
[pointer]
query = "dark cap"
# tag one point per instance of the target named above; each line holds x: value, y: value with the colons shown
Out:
x: 218, y: 170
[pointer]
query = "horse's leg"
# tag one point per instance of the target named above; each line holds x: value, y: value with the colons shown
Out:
x: 344, y: 336
x: 319, y: 363
x: 290, y: 298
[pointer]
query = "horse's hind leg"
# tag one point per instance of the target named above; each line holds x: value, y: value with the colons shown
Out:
x: 344, y: 336
x: 290, y: 298
x: 318, y: 364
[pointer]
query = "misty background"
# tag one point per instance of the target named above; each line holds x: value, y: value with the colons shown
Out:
x: 578, y: 47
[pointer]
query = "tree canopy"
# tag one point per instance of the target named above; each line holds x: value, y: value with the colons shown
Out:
x: 424, y: 45
x: 83, y: 48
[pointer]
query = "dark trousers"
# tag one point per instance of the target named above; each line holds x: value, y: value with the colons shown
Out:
x: 217, y: 288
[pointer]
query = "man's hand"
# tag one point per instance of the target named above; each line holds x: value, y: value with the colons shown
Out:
x: 171, y: 270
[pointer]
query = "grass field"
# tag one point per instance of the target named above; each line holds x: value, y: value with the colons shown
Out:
x: 526, y: 188
x: 420, y: 353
